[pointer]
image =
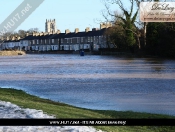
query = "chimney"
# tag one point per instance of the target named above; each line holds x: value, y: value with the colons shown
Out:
x: 105, y: 25
x: 109, y: 24
x: 7, y: 38
x: 45, y: 33
x: 95, y: 29
x: 13, y: 38
x: 34, y: 34
x: 27, y: 34
x: 37, y: 34
x: 87, y: 29
x: 40, y: 34
x: 17, y: 38
x: 102, y: 25
x: 58, y: 32
x: 67, y: 31
x: 76, y: 30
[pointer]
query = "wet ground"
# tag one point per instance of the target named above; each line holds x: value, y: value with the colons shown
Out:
x: 96, y: 82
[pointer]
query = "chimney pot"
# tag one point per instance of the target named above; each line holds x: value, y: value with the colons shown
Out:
x: 87, y: 29
x: 67, y: 31
x: 76, y: 30
x: 58, y: 32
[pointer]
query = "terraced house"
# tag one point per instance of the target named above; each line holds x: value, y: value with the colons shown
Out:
x: 54, y: 40
x: 10, y: 43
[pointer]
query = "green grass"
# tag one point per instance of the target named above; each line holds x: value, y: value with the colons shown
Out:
x: 61, y: 110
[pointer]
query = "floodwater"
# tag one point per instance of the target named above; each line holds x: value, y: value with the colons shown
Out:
x: 95, y: 82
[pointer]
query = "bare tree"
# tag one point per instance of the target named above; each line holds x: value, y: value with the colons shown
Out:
x: 31, y: 30
x: 127, y: 19
x: 22, y: 33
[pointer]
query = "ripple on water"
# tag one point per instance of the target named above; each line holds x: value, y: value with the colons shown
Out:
x: 98, y: 82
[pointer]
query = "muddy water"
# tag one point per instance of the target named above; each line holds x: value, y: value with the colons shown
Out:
x: 96, y: 82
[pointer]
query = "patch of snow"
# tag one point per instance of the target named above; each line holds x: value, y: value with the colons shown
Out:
x: 9, y: 110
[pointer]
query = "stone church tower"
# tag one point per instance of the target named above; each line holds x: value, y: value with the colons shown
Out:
x: 50, y: 26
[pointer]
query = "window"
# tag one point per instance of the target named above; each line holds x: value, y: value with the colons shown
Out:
x: 58, y: 41
x: 37, y: 41
x: 99, y: 39
x: 78, y: 40
x: 67, y: 40
x: 61, y: 40
x: 81, y: 39
x: 91, y: 39
x: 88, y: 39
x: 45, y: 41
x: 33, y: 41
x: 52, y: 41
x: 71, y: 40
x: 41, y: 41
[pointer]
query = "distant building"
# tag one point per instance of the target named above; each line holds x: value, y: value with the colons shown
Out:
x: 50, y: 26
x: 53, y: 39
x: 10, y: 43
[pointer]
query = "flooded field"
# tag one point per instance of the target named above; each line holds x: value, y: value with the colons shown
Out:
x: 95, y: 82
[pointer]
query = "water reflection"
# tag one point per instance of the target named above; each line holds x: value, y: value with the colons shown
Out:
x: 98, y: 82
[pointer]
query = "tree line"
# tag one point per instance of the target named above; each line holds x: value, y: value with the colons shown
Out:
x: 20, y: 33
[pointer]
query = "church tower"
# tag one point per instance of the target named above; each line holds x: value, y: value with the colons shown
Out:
x: 50, y: 26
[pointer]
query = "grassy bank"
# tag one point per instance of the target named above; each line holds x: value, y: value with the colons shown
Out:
x: 61, y: 110
x: 12, y: 53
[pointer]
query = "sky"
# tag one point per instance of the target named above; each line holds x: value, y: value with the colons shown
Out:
x: 69, y: 14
